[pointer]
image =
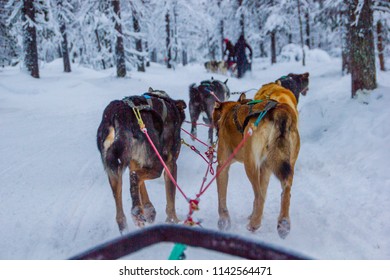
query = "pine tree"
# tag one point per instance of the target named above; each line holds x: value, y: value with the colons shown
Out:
x: 8, y: 48
x: 119, y: 48
x: 168, y: 39
x: 382, y: 18
x: 301, y: 33
x: 63, y: 13
x: 138, y: 41
x: 30, y: 38
x: 362, y: 54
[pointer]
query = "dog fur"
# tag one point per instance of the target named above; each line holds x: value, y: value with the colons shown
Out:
x: 214, y: 66
x: 202, y: 101
x: 272, y: 148
x: 123, y: 145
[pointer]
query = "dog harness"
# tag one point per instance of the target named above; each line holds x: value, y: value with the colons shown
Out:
x: 149, y: 107
x: 259, y: 113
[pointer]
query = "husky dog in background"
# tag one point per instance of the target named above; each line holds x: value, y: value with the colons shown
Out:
x: 202, y: 100
x: 214, y: 66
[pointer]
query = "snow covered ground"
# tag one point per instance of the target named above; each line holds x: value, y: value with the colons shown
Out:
x: 55, y: 201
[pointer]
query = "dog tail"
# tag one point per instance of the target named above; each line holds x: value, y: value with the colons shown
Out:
x: 193, y: 90
x: 109, y: 142
x: 282, y: 141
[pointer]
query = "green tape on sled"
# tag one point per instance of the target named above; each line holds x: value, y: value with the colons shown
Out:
x: 177, y: 252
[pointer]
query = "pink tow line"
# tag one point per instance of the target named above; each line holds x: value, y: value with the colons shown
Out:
x: 145, y: 131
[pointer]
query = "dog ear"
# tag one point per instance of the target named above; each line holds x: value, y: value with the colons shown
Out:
x: 278, y: 82
x: 242, y: 97
x: 226, y: 81
x: 150, y: 90
x: 306, y: 75
x: 217, y: 105
x: 180, y: 104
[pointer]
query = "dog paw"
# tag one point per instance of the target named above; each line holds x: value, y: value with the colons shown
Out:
x: 123, y: 229
x: 224, y: 224
x: 149, y: 213
x: 138, y: 217
x: 172, y: 220
x: 122, y: 224
x: 252, y: 228
x: 283, y: 228
x: 193, y: 134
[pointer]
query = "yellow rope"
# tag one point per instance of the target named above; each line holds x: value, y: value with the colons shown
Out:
x: 137, y: 114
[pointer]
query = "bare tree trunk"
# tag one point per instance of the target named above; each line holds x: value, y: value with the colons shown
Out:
x: 30, y: 39
x: 99, y: 47
x: 307, y: 19
x: 345, y: 46
x: 362, y: 56
x: 273, y: 47
x: 222, y: 38
x: 290, y: 38
x: 242, y: 19
x: 262, y: 49
x: 185, y: 58
x: 147, y: 51
x: 208, y: 44
x: 221, y: 32
x: 153, y: 56
x: 64, y: 41
x: 119, y: 48
x: 175, y: 35
x: 64, y: 49
x: 301, y: 33
x: 379, y: 31
x: 138, y: 42
x: 168, y: 40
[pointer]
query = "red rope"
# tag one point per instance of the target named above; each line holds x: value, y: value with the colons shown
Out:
x: 200, y: 141
x: 230, y: 158
x: 145, y: 131
x: 193, y: 203
x: 216, y: 97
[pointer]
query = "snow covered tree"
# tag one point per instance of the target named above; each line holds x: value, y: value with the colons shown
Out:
x: 274, y: 24
x: 168, y: 39
x: 307, y: 23
x: 382, y: 18
x: 301, y: 32
x: 362, y: 52
x: 8, y: 46
x: 30, y: 38
x: 63, y: 11
x: 138, y: 43
x: 119, y: 48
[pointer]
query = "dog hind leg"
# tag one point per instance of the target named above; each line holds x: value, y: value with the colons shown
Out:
x: 284, y: 216
x: 149, y: 210
x: 170, y: 190
x: 209, y: 118
x: 259, y: 180
x: 137, y: 209
x: 194, y: 113
x: 116, y: 186
x: 222, y: 182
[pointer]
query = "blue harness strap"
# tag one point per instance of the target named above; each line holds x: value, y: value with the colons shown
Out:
x: 270, y: 104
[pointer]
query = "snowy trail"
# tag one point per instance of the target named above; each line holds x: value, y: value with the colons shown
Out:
x: 56, y: 201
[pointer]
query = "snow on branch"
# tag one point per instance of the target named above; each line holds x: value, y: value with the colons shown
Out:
x: 357, y: 12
